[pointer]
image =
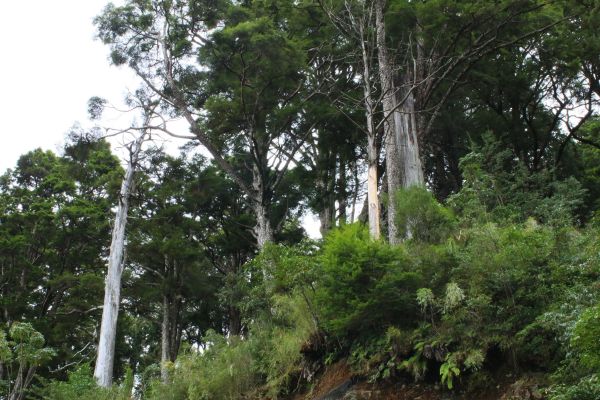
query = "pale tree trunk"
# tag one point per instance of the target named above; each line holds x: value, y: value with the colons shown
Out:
x: 103, y: 371
x: 373, y: 198
x: 263, y: 230
x: 22, y: 382
x: 408, y: 146
x: 372, y: 155
x: 403, y: 163
x: 326, y: 215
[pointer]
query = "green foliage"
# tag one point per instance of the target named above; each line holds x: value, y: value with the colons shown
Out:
x: 364, y: 285
x: 268, y: 359
x: 54, y: 230
x: 586, y: 389
x: 28, y: 345
x: 585, y: 338
x: 497, y: 187
x: 448, y: 371
x: 82, y: 386
x: 421, y: 217
x: 22, y: 351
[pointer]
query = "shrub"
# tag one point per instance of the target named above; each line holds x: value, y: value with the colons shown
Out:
x: 364, y: 285
x: 82, y: 386
x: 586, y: 389
x: 586, y: 338
x: 421, y: 217
x: 22, y: 351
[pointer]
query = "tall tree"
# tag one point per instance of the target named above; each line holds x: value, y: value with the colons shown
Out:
x: 233, y: 71
x: 54, y: 231
x: 354, y: 21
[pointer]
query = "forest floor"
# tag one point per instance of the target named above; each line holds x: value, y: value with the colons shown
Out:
x: 339, y: 383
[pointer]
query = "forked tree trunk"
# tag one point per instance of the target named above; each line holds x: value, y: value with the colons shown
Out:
x: 103, y: 371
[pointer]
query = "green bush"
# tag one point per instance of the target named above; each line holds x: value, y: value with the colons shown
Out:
x: 82, y: 386
x: 497, y: 187
x: 267, y: 361
x: 421, y: 217
x: 364, y: 285
x: 586, y: 389
x: 586, y: 338
x: 22, y: 352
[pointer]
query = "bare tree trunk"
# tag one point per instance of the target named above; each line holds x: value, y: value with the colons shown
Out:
x: 103, y: 371
x: 372, y: 155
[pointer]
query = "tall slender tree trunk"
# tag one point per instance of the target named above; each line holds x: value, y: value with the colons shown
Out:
x: 165, y: 348
x: 103, y: 371
x: 325, y: 190
x: 342, y: 195
x: 372, y: 154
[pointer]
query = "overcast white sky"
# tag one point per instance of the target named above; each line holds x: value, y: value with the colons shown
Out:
x: 50, y: 66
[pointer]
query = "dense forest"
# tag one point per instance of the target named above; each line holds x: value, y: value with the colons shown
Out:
x: 449, y: 149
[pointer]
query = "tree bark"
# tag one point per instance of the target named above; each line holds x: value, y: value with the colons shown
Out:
x: 235, y: 321
x: 403, y: 163
x: 373, y: 198
x: 263, y: 230
x: 325, y: 190
x: 165, y: 348
x: 408, y: 145
x: 103, y: 371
